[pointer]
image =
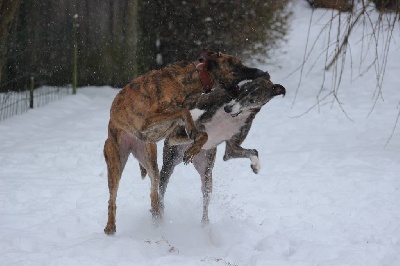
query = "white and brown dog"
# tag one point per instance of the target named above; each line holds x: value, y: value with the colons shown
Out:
x: 224, y: 118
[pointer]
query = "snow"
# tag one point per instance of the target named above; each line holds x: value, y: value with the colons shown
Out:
x: 327, y: 193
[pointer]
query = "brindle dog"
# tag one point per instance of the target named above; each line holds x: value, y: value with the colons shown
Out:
x: 223, y: 118
x: 150, y: 107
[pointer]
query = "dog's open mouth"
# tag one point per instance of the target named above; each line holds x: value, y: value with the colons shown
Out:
x: 236, y: 114
x: 228, y: 109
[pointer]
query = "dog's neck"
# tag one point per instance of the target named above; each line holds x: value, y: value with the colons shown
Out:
x: 205, y: 79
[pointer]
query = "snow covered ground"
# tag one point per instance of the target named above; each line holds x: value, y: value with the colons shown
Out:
x: 328, y: 191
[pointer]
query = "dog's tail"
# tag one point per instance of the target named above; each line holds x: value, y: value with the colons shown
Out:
x: 143, y: 171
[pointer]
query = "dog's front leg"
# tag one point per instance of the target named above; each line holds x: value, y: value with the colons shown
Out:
x: 178, y: 137
x: 199, y: 138
x: 199, y: 141
x: 233, y: 150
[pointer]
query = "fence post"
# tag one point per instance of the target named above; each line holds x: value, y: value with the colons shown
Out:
x: 75, y: 57
x: 31, y: 87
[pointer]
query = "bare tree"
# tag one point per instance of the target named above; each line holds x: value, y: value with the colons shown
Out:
x: 377, y: 37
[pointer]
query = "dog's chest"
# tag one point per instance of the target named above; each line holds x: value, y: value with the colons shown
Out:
x: 222, y: 126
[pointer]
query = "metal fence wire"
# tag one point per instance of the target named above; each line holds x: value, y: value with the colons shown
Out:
x: 17, y: 102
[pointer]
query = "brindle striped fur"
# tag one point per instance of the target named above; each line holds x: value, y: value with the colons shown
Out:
x: 150, y: 107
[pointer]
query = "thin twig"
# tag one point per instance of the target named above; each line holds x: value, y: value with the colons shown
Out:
x: 304, y: 58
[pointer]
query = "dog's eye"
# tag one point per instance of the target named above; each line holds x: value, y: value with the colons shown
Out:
x: 252, y: 101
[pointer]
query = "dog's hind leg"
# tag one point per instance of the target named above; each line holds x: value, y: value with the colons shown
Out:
x: 172, y: 156
x: 116, y: 158
x: 204, y: 163
x: 148, y: 160
x: 234, y: 150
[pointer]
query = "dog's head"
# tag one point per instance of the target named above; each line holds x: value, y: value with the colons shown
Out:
x: 228, y: 70
x: 254, y: 94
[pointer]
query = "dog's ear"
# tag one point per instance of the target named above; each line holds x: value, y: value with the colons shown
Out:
x: 207, y: 53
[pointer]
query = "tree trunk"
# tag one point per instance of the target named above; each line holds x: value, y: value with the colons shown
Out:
x: 148, y: 34
x: 8, y: 9
x: 131, y: 37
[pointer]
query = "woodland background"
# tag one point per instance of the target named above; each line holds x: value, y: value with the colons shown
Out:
x: 117, y: 40
x: 120, y: 39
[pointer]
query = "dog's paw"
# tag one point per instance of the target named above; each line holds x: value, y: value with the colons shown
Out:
x: 110, y: 230
x: 255, y: 164
x: 190, y: 153
x: 226, y: 157
x: 157, y: 217
x: 256, y: 168
x: 187, y: 158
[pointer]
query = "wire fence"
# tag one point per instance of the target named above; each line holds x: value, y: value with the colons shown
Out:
x: 18, y: 102
x: 18, y: 91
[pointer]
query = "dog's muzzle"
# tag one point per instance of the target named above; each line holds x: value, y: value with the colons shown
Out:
x: 278, y: 90
x: 229, y: 108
